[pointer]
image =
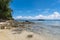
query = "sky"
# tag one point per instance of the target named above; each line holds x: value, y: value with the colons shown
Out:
x: 35, y: 9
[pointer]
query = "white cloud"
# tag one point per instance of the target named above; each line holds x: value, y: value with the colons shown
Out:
x: 18, y: 17
x: 55, y: 15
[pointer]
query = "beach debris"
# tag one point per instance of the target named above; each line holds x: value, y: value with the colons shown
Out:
x: 29, y: 36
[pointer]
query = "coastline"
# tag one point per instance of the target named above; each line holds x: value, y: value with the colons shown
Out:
x: 19, y: 33
x: 7, y: 34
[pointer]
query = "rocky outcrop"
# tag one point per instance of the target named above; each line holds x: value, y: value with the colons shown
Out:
x: 8, y: 24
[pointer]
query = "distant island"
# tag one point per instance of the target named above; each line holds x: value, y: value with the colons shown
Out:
x: 38, y: 19
x: 48, y: 19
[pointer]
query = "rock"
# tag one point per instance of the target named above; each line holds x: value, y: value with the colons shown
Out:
x: 8, y: 24
x: 30, y: 36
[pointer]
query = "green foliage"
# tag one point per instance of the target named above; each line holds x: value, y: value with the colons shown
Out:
x: 5, y: 11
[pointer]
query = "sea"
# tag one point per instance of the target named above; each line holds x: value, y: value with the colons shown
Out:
x: 52, y: 27
x: 45, y: 28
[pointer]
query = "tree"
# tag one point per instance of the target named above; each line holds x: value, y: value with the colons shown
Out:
x: 5, y: 11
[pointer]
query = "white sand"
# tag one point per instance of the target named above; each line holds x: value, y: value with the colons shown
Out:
x: 7, y: 35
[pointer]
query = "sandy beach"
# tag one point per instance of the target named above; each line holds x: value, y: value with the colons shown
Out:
x: 6, y: 34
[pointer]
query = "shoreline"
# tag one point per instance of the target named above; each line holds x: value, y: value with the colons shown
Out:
x: 21, y: 32
x: 7, y: 34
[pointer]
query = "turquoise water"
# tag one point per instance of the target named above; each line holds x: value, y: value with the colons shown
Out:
x: 51, y: 28
x: 47, y: 29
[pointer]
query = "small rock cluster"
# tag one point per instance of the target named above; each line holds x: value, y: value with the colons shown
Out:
x: 8, y: 24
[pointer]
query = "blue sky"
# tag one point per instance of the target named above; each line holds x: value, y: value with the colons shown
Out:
x: 34, y: 8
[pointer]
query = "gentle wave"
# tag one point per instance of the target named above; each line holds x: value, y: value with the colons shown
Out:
x: 46, y: 27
